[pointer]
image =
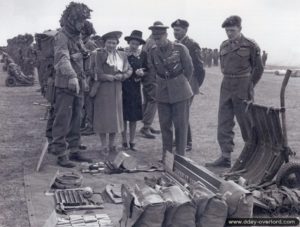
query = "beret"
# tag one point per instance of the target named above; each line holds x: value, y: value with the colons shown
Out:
x: 232, y: 21
x: 180, y: 23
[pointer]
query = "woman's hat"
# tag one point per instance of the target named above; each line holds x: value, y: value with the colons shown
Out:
x: 112, y: 35
x: 135, y: 35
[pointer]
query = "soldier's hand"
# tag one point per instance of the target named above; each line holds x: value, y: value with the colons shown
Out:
x: 85, y: 86
x: 74, y: 85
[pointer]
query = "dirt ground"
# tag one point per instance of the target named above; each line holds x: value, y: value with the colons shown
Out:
x: 22, y: 134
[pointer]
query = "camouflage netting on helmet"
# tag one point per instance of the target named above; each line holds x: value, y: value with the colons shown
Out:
x: 88, y: 29
x: 75, y: 12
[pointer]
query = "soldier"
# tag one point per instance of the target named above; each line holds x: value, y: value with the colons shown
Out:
x: 216, y: 57
x: 180, y: 28
x: 69, y: 52
x: 149, y: 103
x: 242, y: 68
x: 264, y: 58
x: 88, y: 108
x: 209, y: 57
x: 203, y: 56
x: 173, y: 67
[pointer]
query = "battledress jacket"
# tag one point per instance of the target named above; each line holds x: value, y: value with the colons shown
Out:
x: 68, y: 59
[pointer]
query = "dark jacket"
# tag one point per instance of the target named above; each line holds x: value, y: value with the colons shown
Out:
x: 199, y: 72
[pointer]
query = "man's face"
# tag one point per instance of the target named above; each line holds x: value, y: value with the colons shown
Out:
x: 179, y: 32
x: 111, y: 44
x: 160, y: 40
x: 79, y: 25
x: 233, y: 32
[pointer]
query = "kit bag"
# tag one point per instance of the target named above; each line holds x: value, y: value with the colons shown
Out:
x: 212, y: 210
x: 181, y: 211
x: 142, y: 207
x: 239, y: 200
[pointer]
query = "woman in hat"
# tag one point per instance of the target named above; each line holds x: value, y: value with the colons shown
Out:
x: 132, y: 99
x: 111, y: 67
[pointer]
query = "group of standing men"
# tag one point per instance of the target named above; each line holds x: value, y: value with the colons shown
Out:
x: 210, y: 57
x: 176, y: 73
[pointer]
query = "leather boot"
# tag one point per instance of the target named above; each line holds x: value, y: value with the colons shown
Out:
x: 65, y: 162
x: 125, y: 146
x: 132, y: 146
x: 146, y: 133
x: 220, y: 162
x: 154, y: 131
x: 189, y: 147
x: 79, y: 157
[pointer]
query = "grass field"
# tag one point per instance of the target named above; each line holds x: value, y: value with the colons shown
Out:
x: 22, y: 134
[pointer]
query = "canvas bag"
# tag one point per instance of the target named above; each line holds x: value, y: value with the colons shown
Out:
x: 181, y: 211
x: 142, y: 207
x: 239, y: 200
x: 212, y: 209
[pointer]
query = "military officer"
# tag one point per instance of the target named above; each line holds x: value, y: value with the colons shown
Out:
x: 242, y: 68
x: 180, y: 28
x: 69, y: 52
x: 149, y: 103
x: 173, y: 67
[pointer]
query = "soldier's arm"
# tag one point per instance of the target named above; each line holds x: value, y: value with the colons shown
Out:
x: 92, y: 64
x: 187, y: 62
x: 151, y: 72
x: 62, y: 57
x: 100, y: 57
x: 198, y: 64
x: 257, y: 65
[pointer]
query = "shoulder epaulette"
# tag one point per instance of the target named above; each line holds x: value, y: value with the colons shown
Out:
x: 224, y: 43
x: 252, y: 41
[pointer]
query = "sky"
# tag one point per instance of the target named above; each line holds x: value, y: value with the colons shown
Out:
x: 273, y: 24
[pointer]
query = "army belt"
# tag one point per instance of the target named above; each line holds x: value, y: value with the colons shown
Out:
x: 170, y: 76
x: 237, y: 76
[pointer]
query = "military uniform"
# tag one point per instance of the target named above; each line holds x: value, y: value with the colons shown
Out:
x: 68, y: 63
x: 173, y: 67
x: 88, y: 115
x: 242, y: 68
x: 198, y: 75
x: 149, y: 103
